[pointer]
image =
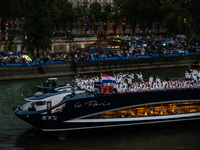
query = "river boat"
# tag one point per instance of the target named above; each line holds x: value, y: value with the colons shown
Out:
x: 63, y: 110
x: 50, y: 84
x: 47, y: 85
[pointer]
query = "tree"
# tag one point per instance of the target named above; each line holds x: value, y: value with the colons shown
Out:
x: 149, y: 13
x: 192, y: 21
x: 80, y: 14
x: 173, y: 17
x: 181, y: 17
x: 64, y: 12
x: 36, y: 26
x: 8, y: 9
x: 129, y: 9
x: 106, y: 13
x: 95, y: 12
x: 10, y: 41
x: 116, y: 16
x: 53, y: 10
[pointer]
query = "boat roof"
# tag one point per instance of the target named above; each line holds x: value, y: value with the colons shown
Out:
x: 39, y: 96
x: 52, y: 78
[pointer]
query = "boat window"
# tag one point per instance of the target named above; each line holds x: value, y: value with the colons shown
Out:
x: 40, y: 103
x: 151, y: 110
x: 58, y: 109
x: 71, y: 95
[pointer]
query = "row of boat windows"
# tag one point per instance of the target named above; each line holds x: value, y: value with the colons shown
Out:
x: 58, y: 109
x: 45, y: 105
x: 151, y: 110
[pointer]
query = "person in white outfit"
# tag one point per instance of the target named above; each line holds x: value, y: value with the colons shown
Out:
x: 151, y: 80
x: 140, y: 77
x: 157, y: 79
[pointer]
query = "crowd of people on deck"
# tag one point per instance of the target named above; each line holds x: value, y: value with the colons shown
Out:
x: 126, y: 82
x: 142, y: 46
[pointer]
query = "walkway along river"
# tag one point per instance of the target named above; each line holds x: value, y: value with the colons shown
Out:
x: 8, y: 73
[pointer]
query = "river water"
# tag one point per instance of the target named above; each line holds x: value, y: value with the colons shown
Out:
x: 16, y: 134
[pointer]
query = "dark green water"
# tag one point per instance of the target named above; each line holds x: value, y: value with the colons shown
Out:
x: 16, y: 134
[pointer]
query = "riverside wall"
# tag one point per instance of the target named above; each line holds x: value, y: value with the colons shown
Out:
x: 27, y: 72
x: 134, y: 64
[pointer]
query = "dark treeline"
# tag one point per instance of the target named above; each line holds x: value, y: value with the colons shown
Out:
x: 43, y: 17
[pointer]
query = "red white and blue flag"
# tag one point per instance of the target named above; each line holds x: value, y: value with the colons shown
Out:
x: 107, y: 79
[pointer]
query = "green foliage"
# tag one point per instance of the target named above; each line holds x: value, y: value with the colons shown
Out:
x: 10, y: 41
x: 36, y: 25
x: 65, y: 11
x: 177, y: 16
x: 80, y: 14
x: 60, y: 12
x: 9, y: 8
x: 95, y: 12
x: 129, y: 9
x: 53, y: 10
x: 173, y: 18
x: 116, y: 16
x: 149, y: 13
x: 193, y: 20
x: 181, y: 17
x: 106, y: 13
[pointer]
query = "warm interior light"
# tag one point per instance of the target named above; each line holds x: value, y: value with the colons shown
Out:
x: 152, y: 110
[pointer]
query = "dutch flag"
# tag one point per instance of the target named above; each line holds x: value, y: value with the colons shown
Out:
x: 107, y: 79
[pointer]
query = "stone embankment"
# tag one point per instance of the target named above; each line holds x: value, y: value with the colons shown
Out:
x: 27, y: 72
x: 134, y: 64
x: 8, y: 73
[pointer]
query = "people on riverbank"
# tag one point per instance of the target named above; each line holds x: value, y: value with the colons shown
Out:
x: 148, y: 46
x: 22, y: 58
x: 138, y: 47
x: 122, y: 85
x: 11, y: 58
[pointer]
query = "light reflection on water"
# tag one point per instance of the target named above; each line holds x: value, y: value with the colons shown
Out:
x: 16, y: 134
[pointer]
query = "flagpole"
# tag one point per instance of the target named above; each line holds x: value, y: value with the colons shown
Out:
x: 101, y: 78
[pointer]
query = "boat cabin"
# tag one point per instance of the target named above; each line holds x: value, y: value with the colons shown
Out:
x: 41, y: 101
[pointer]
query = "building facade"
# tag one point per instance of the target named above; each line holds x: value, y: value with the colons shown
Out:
x: 86, y: 3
